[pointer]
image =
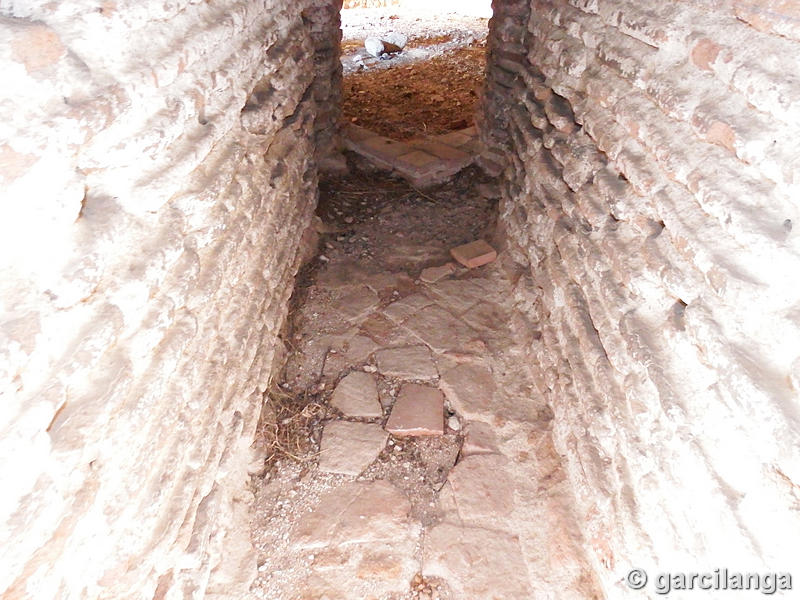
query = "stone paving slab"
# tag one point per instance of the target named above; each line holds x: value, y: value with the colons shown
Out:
x: 357, y: 396
x: 358, y: 133
x: 477, y: 563
x: 444, y: 152
x: 408, y: 362
x: 360, y: 542
x: 454, y: 296
x: 455, y: 139
x: 440, y: 330
x: 366, y: 511
x: 419, y: 162
x: 356, y: 305
x: 349, y: 448
x: 479, y: 438
x: 384, y: 331
x: 434, y: 274
x: 423, y: 162
x: 470, y: 388
x: 347, y: 353
x: 401, y: 309
x: 482, y: 491
x: 419, y: 410
x: 486, y: 315
x: 385, y: 148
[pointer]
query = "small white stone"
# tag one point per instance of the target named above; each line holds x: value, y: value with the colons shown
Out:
x: 453, y: 423
x: 396, y: 39
x: 374, y: 46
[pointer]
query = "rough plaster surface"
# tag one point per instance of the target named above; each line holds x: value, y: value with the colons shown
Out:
x: 649, y: 201
x: 157, y: 174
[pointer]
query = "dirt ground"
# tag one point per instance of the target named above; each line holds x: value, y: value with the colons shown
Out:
x: 431, y: 87
x: 428, y: 98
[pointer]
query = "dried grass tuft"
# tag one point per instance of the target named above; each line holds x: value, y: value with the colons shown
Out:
x: 287, y: 425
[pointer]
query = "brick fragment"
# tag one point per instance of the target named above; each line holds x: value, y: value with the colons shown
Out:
x: 475, y: 254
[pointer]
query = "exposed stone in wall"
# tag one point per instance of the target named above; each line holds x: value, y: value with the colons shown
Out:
x: 157, y: 172
x: 325, y: 23
x: 650, y: 202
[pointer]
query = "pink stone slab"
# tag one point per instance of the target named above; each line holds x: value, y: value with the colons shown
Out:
x: 419, y: 410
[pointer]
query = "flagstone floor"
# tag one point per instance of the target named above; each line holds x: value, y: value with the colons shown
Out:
x: 429, y: 470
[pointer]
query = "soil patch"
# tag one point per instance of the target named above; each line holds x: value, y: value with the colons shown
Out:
x: 429, y: 40
x: 425, y: 98
x: 349, y: 46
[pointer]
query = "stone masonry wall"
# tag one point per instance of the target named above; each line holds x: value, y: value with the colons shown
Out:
x: 652, y: 171
x: 325, y: 22
x: 157, y: 175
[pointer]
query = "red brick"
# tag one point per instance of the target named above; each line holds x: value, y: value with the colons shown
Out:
x: 475, y: 254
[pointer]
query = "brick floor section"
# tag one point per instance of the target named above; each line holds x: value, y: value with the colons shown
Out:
x: 419, y: 410
x: 423, y: 162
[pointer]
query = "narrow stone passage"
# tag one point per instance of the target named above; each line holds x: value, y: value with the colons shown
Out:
x: 376, y: 494
x: 612, y: 403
